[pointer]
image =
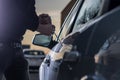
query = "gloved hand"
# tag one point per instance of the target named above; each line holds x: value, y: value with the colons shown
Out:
x: 45, y: 25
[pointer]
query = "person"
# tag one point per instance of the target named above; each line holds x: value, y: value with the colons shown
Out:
x: 16, y: 16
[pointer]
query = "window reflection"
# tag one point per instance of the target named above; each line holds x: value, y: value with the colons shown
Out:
x: 88, y: 11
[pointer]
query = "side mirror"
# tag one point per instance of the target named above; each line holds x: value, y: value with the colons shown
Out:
x: 42, y: 40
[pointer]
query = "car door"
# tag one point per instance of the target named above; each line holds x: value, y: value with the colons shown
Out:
x: 58, y: 71
x: 87, y: 13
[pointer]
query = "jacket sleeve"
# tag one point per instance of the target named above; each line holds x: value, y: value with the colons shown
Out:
x: 32, y: 18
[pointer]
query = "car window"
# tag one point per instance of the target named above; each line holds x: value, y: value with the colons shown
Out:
x: 88, y: 11
x: 69, y: 20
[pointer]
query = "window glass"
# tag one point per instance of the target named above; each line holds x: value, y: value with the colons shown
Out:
x: 88, y: 11
x: 67, y: 25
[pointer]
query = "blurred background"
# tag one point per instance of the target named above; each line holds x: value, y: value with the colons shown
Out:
x: 52, y: 7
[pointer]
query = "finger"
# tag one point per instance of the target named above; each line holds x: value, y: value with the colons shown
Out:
x: 53, y: 27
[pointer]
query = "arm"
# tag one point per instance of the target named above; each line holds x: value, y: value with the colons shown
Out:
x: 32, y: 18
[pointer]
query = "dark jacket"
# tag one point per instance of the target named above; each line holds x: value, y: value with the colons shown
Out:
x: 15, y: 17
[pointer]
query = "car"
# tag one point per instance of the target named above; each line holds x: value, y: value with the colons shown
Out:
x: 34, y: 58
x: 83, y: 32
